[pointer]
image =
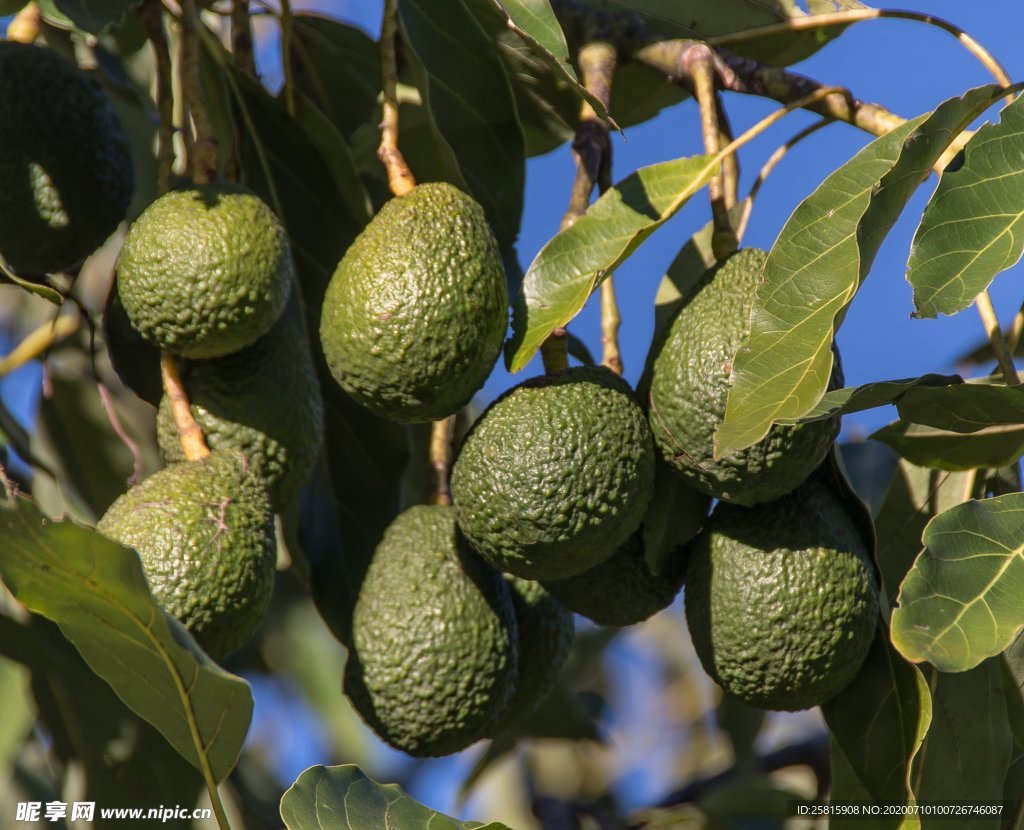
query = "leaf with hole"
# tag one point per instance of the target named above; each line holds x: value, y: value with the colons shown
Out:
x: 817, y: 264
x: 960, y: 602
x: 95, y: 590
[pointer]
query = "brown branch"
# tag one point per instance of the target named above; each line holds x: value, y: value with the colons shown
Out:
x: 241, y: 37
x: 203, y: 152
x: 400, y: 178
x: 193, y: 443
x: 151, y: 16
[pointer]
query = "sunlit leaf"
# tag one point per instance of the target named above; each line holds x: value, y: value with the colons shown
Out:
x: 878, y: 723
x: 343, y: 798
x: 95, y: 590
x: 576, y: 261
x: 943, y: 449
x: 869, y: 395
x: 973, y: 227
x: 960, y: 602
x: 817, y: 264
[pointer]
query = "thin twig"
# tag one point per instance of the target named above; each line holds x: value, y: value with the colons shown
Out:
x: 193, y: 443
x: 151, y: 15
x: 440, y: 460
x: 703, y: 75
x: 203, y: 152
x: 241, y: 38
x: 39, y: 341
x: 995, y: 337
x: 781, y: 151
x: 400, y: 178
x: 731, y: 163
x: 115, y: 423
x: 286, y: 55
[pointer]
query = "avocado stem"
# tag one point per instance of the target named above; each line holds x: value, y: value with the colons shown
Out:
x: 193, y: 442
x: 440, y: 460
x: 24, y: 27
x: 203, y: 151
x: 400, y: 178
x: 151, y: 17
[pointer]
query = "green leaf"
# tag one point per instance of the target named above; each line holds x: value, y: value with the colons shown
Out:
x: 95, y: 16
x: 16, y: 704
x: 535, y: 23
x: 868, y: 396
x: 95, y: 590
x: 39, y: 288
x: 925, y: 446
x: 817, y: 264
x: 915, y: 496
x: 343, y: 798
x: 967, y: 752
x: 973, y: 226
x: 576, y: 261
x: 471, y: 99
x: 960, y: 603
x: 125, y: 760
x: 878, y: 723
x: 674, y: 516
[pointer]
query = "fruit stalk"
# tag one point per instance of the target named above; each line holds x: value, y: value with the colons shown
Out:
x: 440, y: 460
x: 193, y: 443
x: 24, y: 28
x: 203, y: 151
x: 701, y: 63
x: 400, y: 178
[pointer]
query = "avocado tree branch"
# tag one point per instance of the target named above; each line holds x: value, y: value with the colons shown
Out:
x: 731, y: 163
x: 241, y: 38
x: 203, y: 152
x: 286, y: 55
x: 700, y: 62
x: 193, y: 442
x: 39, y: 341
x: 995, y: 337
x: 400, y: 178
x: 151, y: 16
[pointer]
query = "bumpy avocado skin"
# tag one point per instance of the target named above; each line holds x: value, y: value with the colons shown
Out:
x: 263, y: 401
x: 65, y: 162
x: 622, y: 590
x: 205, y: 535
x: 782, y: 599
x: 546, y: 631
x: 205, y: 271
x: 689, y: 386
x: 556, y: 474
x: 416, y: 312
x: 434, y: 641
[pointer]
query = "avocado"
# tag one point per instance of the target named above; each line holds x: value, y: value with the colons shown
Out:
x: 263, y: 401
x: 623, y: 590
x: 416, y: 312
x: 205, y: 271
x: 546, y: 630
x: 65, y: 162
x: 689, y: 376
x: 556, y: 474
x: 433, y: 660
x: 205, y: 535
x: 782, y: 599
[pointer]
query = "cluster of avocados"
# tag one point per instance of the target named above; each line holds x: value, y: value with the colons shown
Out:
x: 551, y: 487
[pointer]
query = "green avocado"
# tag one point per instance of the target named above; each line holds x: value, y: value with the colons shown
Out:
x: 689, y: 376
x: 205, y: 535
x: 416, y: 312
x: 782, y: 599
x: 556, y: 474
x: 263, y: 401
x: 205, y: 271
x: 433, y: 661
x: 622, y: 590
x: 546, y: 631
x: 65, y: 162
